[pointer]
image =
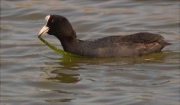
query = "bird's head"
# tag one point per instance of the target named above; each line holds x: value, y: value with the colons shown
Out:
x: 58, y: 26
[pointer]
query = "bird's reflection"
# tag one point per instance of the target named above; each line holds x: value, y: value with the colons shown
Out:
x: 65, y: 69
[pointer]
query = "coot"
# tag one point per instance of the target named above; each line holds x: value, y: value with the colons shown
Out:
x: 137, y: 44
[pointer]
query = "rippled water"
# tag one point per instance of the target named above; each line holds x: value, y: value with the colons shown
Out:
x: 32, y: 74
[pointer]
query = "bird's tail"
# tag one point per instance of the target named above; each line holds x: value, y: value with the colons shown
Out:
x: 167, y: 43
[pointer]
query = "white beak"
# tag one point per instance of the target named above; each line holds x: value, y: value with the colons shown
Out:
x: 44, y: 30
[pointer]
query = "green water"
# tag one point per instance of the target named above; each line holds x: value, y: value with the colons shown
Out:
x: 59, y: 51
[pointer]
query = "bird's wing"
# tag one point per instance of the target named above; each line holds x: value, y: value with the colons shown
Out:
x: 143, y: 37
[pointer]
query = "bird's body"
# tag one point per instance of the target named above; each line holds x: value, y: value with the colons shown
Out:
x: 112, y: 46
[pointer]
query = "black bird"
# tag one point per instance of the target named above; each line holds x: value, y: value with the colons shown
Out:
x: 137, y: 44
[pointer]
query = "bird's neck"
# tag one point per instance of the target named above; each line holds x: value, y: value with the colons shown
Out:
x: 68, y: 43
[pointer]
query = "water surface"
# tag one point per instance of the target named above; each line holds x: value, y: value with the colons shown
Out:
x: 33, y: 74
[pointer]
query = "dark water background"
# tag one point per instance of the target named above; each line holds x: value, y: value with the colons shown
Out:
x: 32, y: 74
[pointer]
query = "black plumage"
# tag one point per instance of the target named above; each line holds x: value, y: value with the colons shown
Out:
x: 112, y: 46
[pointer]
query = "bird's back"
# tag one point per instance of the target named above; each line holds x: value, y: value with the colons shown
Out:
x: 121, y: 46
